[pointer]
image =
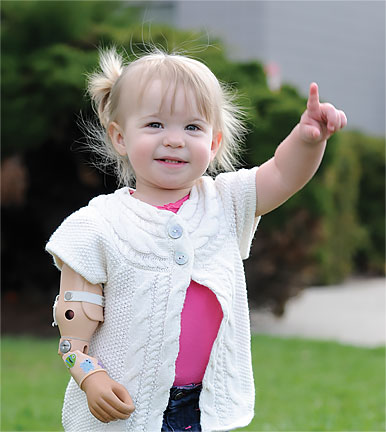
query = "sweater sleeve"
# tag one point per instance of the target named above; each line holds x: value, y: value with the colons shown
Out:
x: 238, y: 190
x: 79, y: 242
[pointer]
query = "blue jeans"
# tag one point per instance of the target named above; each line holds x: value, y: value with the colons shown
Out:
x: 183, y: 412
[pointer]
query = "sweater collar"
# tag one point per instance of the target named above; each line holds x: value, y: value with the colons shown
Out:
x: 149, y: 212
x: 199, y: 214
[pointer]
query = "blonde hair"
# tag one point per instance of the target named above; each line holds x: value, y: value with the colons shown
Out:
x: 214, y: 100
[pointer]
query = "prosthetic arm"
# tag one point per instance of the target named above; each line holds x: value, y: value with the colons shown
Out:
x: 78, y: 310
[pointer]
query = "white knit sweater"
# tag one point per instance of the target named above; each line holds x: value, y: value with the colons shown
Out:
x: 126, y: 245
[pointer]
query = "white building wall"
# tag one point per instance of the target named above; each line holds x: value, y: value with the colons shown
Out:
x: 338, y: 44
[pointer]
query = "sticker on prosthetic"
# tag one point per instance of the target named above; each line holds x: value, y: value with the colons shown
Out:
x: 81, y: 365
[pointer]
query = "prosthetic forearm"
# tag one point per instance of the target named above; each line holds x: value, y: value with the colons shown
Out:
x: 78, y: 310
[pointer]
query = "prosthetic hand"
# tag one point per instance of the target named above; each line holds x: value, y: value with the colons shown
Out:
x: 78, y: 310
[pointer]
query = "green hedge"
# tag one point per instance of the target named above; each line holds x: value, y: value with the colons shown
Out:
x: 370, y: 154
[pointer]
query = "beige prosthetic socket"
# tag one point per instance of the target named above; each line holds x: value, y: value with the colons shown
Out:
x: 78, y: 310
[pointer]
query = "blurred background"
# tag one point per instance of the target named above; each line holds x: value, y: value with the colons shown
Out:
x: 317, y: 267
x: 270, y: 51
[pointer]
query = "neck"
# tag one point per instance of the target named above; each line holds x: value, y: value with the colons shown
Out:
x: 160, y: 197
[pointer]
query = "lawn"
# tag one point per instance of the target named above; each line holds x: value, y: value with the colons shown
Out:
x: 301, y: 385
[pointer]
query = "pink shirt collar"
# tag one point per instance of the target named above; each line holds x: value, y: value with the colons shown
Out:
x: 174, y: 207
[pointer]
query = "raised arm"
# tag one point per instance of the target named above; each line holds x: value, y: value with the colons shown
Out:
x: 78, y: 311
x: 298, y: 157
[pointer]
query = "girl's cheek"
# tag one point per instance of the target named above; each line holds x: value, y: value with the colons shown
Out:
x: 140, y: 154
x: 204, y: 156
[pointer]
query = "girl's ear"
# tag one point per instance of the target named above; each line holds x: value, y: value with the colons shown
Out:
x: 216, y: 142
x: 116, y: 136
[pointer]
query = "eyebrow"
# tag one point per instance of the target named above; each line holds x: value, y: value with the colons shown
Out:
x: 150, y: 115
x: 199, y: 119
x: 193, y: 120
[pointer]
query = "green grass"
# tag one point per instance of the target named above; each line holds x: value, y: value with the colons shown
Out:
x: 301, y: 385
x: 33, y: 382
x: 306, y: 385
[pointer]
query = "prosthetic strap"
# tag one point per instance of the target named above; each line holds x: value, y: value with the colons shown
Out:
x: 78, y: 296
x: 81, y: 365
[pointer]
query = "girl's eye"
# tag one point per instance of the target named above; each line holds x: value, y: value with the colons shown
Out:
x: 155, y: 125
x: 192, y: 127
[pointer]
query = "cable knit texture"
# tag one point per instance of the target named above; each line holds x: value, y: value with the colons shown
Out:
x: 126, y: 245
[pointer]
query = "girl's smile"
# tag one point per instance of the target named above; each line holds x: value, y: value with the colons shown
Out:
x: 172, y: 162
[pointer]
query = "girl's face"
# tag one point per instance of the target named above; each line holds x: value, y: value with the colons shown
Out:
x: 168, y: 142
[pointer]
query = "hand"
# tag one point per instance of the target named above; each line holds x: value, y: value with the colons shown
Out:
x: 320, y: 121
x: 107, y: 399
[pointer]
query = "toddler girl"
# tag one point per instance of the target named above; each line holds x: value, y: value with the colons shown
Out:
x: 173, y: 351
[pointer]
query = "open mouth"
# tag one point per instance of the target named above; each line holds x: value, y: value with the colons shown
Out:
x: 171, y: 161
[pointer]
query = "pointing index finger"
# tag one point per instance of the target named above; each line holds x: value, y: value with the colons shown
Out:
x: 313, y: 98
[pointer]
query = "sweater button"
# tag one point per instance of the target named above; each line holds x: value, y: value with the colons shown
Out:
x: 181, y: 258
x: 175, y: 231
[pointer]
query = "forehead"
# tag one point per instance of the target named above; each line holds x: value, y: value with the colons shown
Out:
x: 171, y: 98
x: 141, y: 92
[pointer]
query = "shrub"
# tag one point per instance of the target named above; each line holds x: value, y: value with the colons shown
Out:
x: 370, y: 151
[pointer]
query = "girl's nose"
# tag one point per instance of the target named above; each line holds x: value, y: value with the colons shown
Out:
x: 173, y: 140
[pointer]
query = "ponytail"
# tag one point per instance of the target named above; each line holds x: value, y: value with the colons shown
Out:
x: 100, y: 83
x: 102, y: 88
